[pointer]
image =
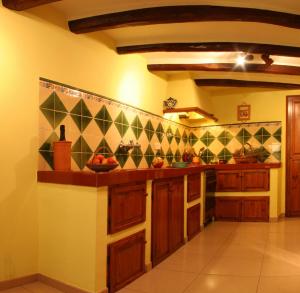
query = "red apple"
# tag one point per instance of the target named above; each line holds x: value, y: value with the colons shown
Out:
x: 96, y: 161
x: 111, y: 160
x: 104, y: 161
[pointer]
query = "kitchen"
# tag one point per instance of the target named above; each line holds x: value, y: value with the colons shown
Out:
x: 38, y: 49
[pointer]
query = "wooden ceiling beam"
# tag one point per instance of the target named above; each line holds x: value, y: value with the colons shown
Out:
x: 227, y: 67
x: 246, y: 83
x: 180, y: 14
x: 254, y: 48
x: 20, y: 5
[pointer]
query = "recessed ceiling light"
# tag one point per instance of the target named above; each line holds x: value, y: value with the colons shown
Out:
x: 240, y: 60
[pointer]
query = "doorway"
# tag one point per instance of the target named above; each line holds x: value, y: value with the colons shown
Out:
x: 293, y: 157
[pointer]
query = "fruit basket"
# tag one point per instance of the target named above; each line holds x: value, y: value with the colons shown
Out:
x: 247, y: 155
x: 99, y: 163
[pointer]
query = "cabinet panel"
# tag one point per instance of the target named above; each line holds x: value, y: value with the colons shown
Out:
x: 255, y: 180
x: 127, y: 206
x: 160, y: 221
x: 228, y: 208
x: 255, y: 208
x: 176, y: 213
x: 193, y: 191
x: 126, y: 261
x: 228, y: 181
x: 193, y: 221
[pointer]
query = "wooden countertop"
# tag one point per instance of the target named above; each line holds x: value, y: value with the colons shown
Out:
x: 89, y: 178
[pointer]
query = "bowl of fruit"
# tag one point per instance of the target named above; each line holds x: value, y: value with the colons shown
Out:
x: 100, y: 163
x: 157, y: 162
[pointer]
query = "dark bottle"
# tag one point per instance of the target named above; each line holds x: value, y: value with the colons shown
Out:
x: 62, y: 133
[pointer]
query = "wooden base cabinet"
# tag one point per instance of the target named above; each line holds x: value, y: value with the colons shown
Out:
x: 193, y: 221
x: 126, y: 261
x: 240, y: 208
x: 194, y: 185
x: 167, y: 218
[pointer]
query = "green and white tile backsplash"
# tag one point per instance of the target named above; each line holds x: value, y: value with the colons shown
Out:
x: 93, y: 121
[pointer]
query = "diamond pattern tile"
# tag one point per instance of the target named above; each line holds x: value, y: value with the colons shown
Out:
x: 177, y: 136
x: 264, y: 154
x: 192, y: 138
x: 225, y: 154
x: 170, y: 135
x: 160, y: 132
x: 121, y: 157
x: 48, y: 157
x: 149, y: 155
x: 207, y: 156
x: 160, y: 153
x: 81, y: 109
x: 225, y: 137
x: 169, y: 156
x: 277, y: 155
x: 262, y: 135
x: 184, y: 137
x: 277, y: 134
x: 137, y: 127
x: 177, y: 156
x: 149, y: 130
x: 121, y: 123
x: 136, y: 155
x: 53, y: 102
x: 207, y: 138
x: 50, y: 116
x: 104, y: 148
x: 243, y: 136
x: 103, y: 120
x: 48, y: 144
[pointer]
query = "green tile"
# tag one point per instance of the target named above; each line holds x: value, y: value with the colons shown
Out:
x: 121, y: 157
x: 59, y: 117
x: 149, y: 130
x: 277, y: 155
x: 207, y: 156
x: 177, y: 136
x: 49, y: 102
x: 48, y: 157
x: 225, y: 154
x: 169, y: 156
x: 263, y: 155
x: 169, y: 134
x: 192, y: 138
x: 104, y: 148
x: 185, y: 137
x: 160, y: 132
x: 85, y: 121
x: 77, y: 120
x: 85, y: 158
x: 103, y: 120
x: 136, y: 155
x: 160, y: 153
x: 277, y: 134
x: 225, y: 137
x: 81, y: 146
x: 81, y: 109
x: 177, y: 156
x: 58, y: 104
x: 48, y: 144
x: 149, y: 155
x: 243, y: 136
x: 262, y: 135
x: 137, y: 127
x: 50, y: 116
x: 207, y: 138
x: 76, y: 148
x: 121, y: 123
x: 77, y: 158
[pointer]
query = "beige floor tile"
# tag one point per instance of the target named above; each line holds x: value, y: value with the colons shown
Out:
x: 38, y: 287
x: 280, y: 266
x: 15, y: 290
x: 288, y: 284
x: 129, y: 291
x: 234, y: 266
x: 242, y: 251
x: 163, y: 281
x: 223, y: 284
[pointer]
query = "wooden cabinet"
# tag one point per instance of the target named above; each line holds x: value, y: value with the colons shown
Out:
x: 240, y: 208
x: 167, y: 217
x: 126, y: 261
x: 243, y: 180
x: 126, y: 206
x: 193, y: 221
x: 194, y: 185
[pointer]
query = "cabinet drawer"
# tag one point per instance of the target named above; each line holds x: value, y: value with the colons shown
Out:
x: 126, y: 261
x: 228, y: 208
x: 255, y: 180
x: 229, y: 181
x: 193, y: 221
x: 255, y: 209
x: 194, y: 185
x: 127, y: 206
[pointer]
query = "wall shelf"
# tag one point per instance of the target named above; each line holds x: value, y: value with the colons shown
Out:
x: 187, y: 110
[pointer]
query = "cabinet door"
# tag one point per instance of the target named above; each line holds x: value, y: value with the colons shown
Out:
x: 293, y: 196
x: 193, y: 221
x: 160, y: 221
x: 193, y: 183
x: 126, y: 261
x: 228, y: 181
x: 127, y: 206
x: 255, y: 208
x: 255, y: 180
x: 228, y: 208
x: 176, y: 213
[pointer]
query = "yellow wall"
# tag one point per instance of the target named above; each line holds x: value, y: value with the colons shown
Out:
x: 30, y: 48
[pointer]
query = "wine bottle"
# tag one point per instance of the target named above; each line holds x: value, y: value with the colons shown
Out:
x: 62, y: 133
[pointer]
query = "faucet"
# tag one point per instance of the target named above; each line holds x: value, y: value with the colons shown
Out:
x: 126, y: 147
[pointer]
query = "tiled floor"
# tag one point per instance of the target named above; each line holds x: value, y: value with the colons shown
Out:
x: 225, y: 258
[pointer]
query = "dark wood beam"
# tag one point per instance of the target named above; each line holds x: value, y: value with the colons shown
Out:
x: 192, y: 109
x: 257, y: 68
x: 20, y: 5
x: 180, y: 14
x: 246, y: 83
x: 254, y: 48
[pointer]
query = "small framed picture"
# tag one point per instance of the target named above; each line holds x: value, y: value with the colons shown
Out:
x: 243, y: 112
